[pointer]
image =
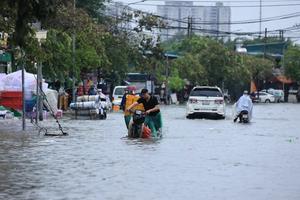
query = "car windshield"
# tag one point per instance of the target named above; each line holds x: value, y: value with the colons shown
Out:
x: 206, y: 92
x: 119, y: 91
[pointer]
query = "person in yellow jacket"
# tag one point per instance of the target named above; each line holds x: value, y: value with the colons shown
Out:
x: 128, y: 99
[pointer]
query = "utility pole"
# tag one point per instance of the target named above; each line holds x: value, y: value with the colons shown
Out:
x: 190, y: 26
x: 40, y: 85
x: 40, y: 35
x: 281, y: 33
x: 73, y: 55
x: 265, y: 41
x: 23, y: 92
x: 167, y: 33
x: 167, y: 80
x: 218, y: 22
x: 37, y: 95
x: 260, y: 16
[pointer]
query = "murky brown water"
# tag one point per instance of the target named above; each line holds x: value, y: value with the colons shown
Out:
x: 196, y: 159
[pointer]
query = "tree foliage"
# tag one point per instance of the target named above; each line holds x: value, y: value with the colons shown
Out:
x: 58, y: 59
x: 191, y: 69
x: 206, y: 61
x: 292, y: 62
x: 19, y: 15
x: 175, y: 82
x: 113, y: 49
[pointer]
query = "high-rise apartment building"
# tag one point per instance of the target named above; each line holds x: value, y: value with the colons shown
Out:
x: 203, y: 20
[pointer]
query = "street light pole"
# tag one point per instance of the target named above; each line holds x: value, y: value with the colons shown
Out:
x: 73, y: 56
x: 23, y: 93
x: 167, y: 81
x: 260, y: 17
x: 37, y: 95
x: 40, y: 35
x: 40, y: 85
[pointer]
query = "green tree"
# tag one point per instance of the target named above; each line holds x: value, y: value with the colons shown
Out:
x: 190, y: 68
x: 175, y: 82
x: 259, y: 68
x: 22, y: 13
x: 207, y: 53
x: 58, y: 60
x: 292, y: 62
x: 92, y: 7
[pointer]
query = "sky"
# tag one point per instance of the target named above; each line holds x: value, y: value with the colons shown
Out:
x: 246, y: 13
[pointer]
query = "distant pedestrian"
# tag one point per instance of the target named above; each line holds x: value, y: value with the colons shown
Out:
x: 92, y: 90
x: 63, y: 99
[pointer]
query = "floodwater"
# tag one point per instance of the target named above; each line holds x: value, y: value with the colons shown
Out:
x: 196, y: 159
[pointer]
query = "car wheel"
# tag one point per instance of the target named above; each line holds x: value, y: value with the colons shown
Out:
x: 267, y: 101
x: 189, y: 117
x: 222, y: 117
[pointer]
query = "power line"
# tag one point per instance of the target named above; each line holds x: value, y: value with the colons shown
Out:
x: 260, y: 16
x: 232, y: 6
x: 231, y: 1
x: 211, y: 30
x: 250, y: 21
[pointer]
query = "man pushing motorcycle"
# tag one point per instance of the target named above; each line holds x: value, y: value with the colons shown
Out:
x: 153, y: 116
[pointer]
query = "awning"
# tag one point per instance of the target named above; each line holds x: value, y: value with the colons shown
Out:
x: 284, y: 79
x: 5, y: 57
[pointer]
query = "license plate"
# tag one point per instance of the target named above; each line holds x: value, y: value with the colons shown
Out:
x: 205, y: 102
x: 245, y: 116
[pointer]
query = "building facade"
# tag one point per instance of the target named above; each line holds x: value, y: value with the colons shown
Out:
x: 186, y: 18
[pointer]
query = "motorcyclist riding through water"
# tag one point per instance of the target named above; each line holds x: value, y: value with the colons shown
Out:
x: 243, y: 106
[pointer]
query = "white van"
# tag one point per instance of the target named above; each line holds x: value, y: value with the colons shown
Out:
x: 118, y: 94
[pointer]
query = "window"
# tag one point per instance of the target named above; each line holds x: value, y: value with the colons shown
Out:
x: 206, y: 92
x: 119, y: 91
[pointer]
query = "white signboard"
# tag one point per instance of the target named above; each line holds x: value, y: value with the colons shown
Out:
x: 149, y: 86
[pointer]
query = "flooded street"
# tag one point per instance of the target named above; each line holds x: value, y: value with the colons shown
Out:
x: 196, y: 159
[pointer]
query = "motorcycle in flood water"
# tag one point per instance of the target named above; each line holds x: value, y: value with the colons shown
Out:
x: 244, y: 116
x: 136, y: 128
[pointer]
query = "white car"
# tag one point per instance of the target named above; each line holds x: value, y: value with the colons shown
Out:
x: 278, y: 94
x: 265, y: 97
x: 117, y: 94
x: 205, y: 100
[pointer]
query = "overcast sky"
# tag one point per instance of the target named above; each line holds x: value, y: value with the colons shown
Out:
x: 245, y: 13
